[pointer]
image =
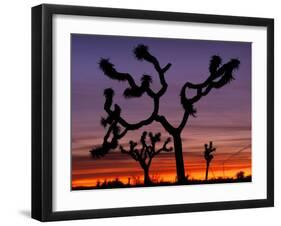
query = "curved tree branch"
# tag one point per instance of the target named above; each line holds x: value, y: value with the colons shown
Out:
x: 184, y: 121
x: 142, y: 53
x: 134, y: 126
x: 134, y: 90
x: 164, y: 122
x: 164, y: 148
x: 225, y: 75
x: 109, y: 70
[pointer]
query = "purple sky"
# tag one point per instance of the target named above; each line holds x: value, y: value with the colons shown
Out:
x: 224, y: 114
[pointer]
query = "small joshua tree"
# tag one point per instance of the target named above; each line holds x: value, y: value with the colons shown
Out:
x: 208, y: 156
x: 146, y: 152
x: 117, y: 126
x: 240, y: 175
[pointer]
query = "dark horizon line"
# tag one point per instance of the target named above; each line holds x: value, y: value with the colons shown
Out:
x: 246, y: 179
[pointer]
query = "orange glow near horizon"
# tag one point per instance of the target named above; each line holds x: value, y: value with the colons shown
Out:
x: 88, y: 182
x: 227, y: 161
x: 195, y: 171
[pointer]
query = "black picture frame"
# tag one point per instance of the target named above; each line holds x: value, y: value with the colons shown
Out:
x: 42, y: 111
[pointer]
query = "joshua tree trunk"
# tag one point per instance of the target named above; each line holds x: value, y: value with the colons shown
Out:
x: 207, y: 171
x: 147, y: 180
x: 179, y: 158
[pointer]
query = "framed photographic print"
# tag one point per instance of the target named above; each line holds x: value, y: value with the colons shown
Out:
x: 145, y: 112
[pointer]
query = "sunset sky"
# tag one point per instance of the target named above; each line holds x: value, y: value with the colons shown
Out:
x: 224, y: 116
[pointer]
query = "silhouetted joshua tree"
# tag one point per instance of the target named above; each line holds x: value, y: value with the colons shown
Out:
x: 240, y: 175
x: 219, y: 75
x: 208, y: 156
x: 146, y: 152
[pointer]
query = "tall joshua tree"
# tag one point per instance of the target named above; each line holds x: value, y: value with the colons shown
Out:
x: 208, y: 156
x: 219, y: 75
x: 146, y: 152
